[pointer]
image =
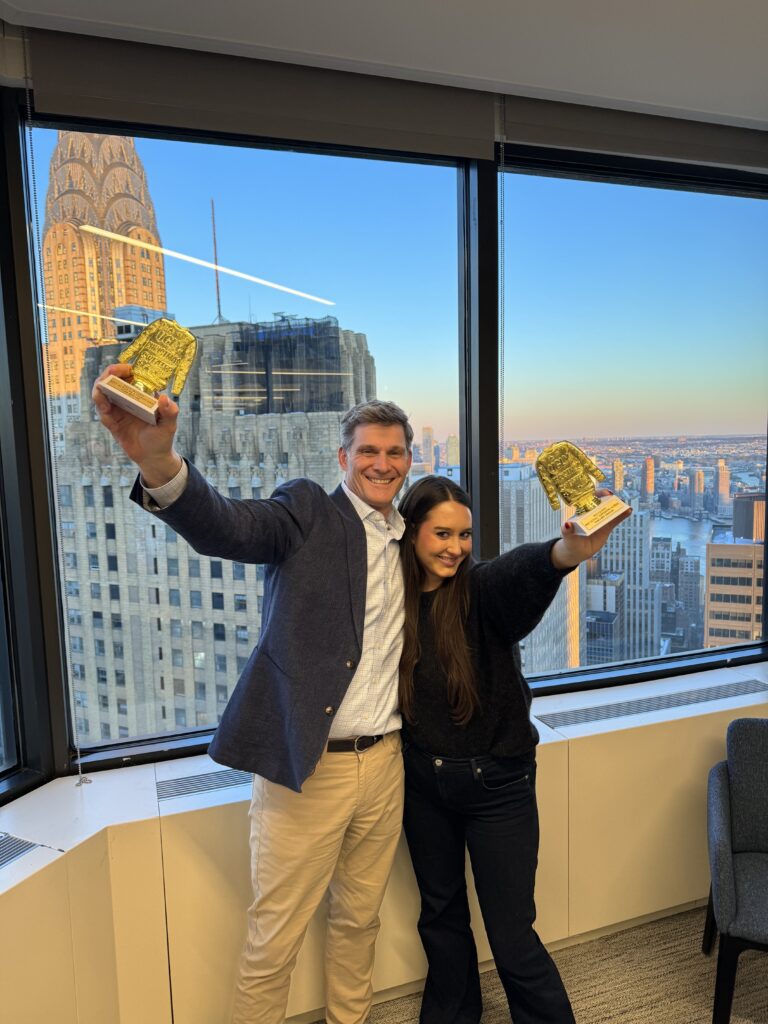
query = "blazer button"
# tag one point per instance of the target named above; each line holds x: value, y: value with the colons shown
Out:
x: 330, y: 710
x: 350, y: 664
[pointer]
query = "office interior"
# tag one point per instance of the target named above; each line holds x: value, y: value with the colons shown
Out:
x: 124, y: 892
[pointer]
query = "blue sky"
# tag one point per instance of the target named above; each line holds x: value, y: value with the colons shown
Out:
x: 628, y: 310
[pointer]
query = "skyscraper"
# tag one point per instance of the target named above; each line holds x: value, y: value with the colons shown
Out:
x: 605, y: 619
x: 618, y: 475
x: 628, y: 551
x: 96, y: 181
x: 734, y: 594
x: 749, y: 516
x: 526, y: 515
x: 697, y: 499
x: 157, y: 636
x: 428, y: 448
x: 648, y: 479
x: 452, y: 450
x: 723, y: 503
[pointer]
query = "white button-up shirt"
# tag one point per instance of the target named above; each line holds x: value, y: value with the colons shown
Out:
x: 370, y: 704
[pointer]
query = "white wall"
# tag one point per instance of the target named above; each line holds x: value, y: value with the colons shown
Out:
x: 124, y: 891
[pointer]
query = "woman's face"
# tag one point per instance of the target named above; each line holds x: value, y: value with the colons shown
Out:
x: 443, y: 541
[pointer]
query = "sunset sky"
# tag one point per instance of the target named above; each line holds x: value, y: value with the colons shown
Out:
x: 628, y: 310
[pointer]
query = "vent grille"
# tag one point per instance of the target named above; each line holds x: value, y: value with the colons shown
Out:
x: 204, y: 783
x: 11, y: 848
x: 622, y: 709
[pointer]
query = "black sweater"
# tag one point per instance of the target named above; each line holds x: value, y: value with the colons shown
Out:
x: 508, y: 597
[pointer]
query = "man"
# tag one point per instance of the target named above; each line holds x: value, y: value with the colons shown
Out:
x: 314, y: 714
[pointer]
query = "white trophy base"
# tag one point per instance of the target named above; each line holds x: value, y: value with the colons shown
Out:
x: 130, y: 398
x: 587, y: 523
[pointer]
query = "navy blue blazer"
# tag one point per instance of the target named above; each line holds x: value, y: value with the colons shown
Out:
x: 313, y: 544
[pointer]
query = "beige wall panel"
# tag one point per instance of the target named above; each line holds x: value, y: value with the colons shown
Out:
x: 138, y: 913
x: 552, y: 874
x: 207, y: 883
x: 36, y: 973
x: 638, y: 817
x: 93, y: 936
x: 399, y: 955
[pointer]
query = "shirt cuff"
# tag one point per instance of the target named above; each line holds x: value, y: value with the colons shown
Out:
x: 162, y: 497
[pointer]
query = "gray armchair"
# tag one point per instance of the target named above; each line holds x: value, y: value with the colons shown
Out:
x: 737, y: 826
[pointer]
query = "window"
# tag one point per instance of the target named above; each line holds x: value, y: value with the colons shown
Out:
x: 399, y: 218
x: 645, y: 296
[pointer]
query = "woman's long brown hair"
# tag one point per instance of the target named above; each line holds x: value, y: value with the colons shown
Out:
x: 449, y: 607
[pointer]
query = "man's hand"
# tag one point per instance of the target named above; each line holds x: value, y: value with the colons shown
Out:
x: 149, y: 445
x: 572, y: 549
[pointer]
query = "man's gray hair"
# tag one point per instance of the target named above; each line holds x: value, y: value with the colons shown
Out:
x: 387, y: 414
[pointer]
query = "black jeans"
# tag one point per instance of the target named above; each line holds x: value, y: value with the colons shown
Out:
x: 488, y: 805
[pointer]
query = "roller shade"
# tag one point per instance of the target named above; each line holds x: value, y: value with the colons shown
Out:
x: 111, y: 79
x: 597, y: 130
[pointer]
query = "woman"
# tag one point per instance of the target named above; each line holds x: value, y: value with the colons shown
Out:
x: 469, y: 749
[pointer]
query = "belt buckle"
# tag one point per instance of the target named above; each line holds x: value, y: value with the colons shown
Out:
x: 359, y: 750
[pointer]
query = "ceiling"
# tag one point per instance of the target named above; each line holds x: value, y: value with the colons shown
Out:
x: 700, y: 59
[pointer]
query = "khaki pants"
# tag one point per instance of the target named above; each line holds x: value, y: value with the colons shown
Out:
x: 338, y: 835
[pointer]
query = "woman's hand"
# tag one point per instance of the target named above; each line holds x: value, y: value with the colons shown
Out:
x: 149, y: 445
x: 572, y: 549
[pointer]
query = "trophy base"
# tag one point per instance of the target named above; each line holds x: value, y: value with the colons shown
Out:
x: 128, y: 397
x: 586, y: 523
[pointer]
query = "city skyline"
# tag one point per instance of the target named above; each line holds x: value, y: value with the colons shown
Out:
x: 651, y: 301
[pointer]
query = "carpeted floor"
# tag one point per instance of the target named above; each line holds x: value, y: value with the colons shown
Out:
x: 652, y: 974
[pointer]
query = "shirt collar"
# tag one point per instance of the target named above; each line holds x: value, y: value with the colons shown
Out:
x: 364, y: 510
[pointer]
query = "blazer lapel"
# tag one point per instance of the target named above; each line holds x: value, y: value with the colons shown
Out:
x: 357, y: 558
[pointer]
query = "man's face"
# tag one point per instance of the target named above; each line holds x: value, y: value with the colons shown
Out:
x: 376, y: 464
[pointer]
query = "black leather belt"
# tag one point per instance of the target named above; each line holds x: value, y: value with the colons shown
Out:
x: 358, y: 743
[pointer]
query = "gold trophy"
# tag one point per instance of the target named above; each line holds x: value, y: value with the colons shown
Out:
x: 162, y: 351
x: 565, y: 470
